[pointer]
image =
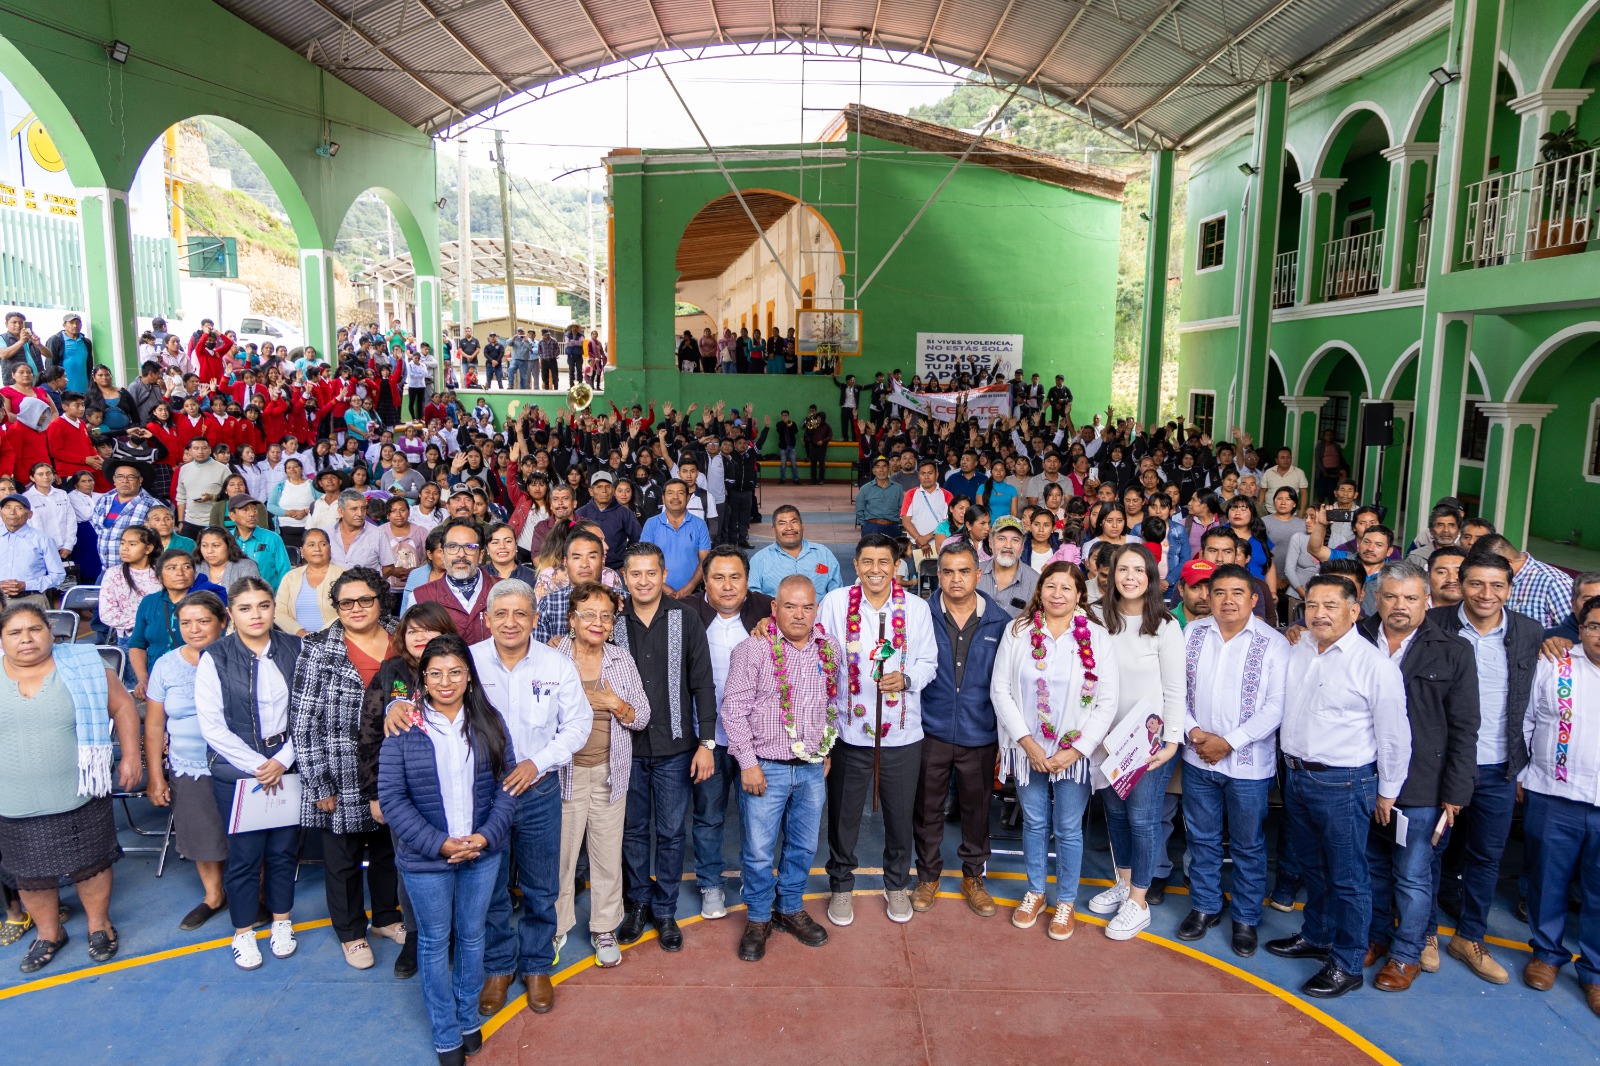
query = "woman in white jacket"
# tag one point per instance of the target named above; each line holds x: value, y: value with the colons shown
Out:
x: 1054, y: 689
x: 1147, y: 644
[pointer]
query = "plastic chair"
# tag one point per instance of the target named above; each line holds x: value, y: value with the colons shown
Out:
x: 82, y: 598
x: 114, y: 657
x: 295, y: 558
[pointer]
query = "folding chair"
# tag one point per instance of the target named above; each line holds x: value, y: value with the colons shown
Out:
x: 141, y: 792
x: 295, y: 558
x: 114, y: 657
x: 84, y: 601
x: 63, y: 626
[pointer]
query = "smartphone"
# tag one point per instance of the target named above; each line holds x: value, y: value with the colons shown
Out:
x: 1341, y: 515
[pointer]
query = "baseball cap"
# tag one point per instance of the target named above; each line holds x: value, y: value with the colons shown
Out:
x: 1198, y: 571
x: 17, y: 497
x: 603, y: 475
x: 1008, y: 522
x: 242, y: 499
x: 461, y: 489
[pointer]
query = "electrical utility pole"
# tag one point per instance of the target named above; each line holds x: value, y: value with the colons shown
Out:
x: 464, y: 235
x: 589, y: 199
x: 505, y: 236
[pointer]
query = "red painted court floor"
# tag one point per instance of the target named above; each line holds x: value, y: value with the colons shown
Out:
x: 947, y: 988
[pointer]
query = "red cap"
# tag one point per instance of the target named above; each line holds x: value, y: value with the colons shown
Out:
x: 1197, y: 571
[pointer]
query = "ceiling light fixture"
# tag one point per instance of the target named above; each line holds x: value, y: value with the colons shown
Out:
x: 118, y: 51
x: 1249, y: 170
x: 1444, y: 75
x: 328, y: 149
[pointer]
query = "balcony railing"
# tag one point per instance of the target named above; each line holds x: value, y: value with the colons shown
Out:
x: 1285, y: 278
x: 1419, y: 273
x: 1352, y: 266
x: 1542, y: 211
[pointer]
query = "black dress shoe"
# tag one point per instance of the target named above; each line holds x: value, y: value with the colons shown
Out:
x: 1156, y: 895
x: 1244, y: 940
x: 405, y: 965
x: 1296, y: 947
x: 472, y: 1042
x: 1331, y: 982
x: 635, y: 919
x: 753, y: 944
x: 801, y: 926
x: 202, y: 914
x: 670, y: 935
x: 1195, y: 924
x: 453, y: 1057
x: 1522, y: 909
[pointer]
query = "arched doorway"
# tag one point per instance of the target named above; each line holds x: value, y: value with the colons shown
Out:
x: 1337, y: 373
x: 1542, y: 472
x: 1351, y: 231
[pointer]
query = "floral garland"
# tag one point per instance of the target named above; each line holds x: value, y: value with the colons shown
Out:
x: 1080, y: 636
x: 780, y: 669
x: 880, y: 655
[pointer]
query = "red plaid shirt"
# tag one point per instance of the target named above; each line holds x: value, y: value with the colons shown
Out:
x: 751, y: 715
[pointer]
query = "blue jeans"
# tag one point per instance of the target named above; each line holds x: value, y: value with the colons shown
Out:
x: 527, y: 947
x: 710, y: 815
x: 658, y: 796
x: 249, y: 854
x: 1563, y: 842
x: 522, y: 373
x: 1405, y: 881
x: 455, y: 901
x: 1488, y: 827
x: 790, y: 807
x: 1069, y: 799
x: 1208, y: 797
x: 1134, y: 824
x: 786, y: 465
x: 1328, y: 815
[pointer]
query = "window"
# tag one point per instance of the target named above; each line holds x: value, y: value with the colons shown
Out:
x: 1336, y: 416
x: 1475, y: 432
x: 1591, y: 454
x: 1212, y: 232
x: 1202, y: 411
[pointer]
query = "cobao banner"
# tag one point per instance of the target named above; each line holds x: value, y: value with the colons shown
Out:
x: 944, y: 353
x: 985, y: 404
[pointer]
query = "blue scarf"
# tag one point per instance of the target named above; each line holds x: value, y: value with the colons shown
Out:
x: 84, y: 673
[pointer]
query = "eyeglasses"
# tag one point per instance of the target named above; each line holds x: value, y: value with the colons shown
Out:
x: 1591, y: 628
x: 444, y: 675
x: 591, y: 617
x: 363, y: 602
x: 460, y: 549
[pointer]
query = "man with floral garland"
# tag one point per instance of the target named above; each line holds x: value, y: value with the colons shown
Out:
x: 890, y: 656
x: 778, y: 711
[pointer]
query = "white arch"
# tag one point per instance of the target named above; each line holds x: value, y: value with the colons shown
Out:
x: 1316, y: 357
x: 1511, y: 69
x: 1558, y: 55
x: 1397, y: 371
x: 1414, y: 122
x: 1338, y: 125
x: 1531, y: 365
x: 1292, y: 154
x: 1282, y: 374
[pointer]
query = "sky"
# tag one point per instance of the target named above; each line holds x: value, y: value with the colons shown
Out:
x: 736, y: 99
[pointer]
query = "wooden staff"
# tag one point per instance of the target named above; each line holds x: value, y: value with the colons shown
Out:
x: 877, y: 731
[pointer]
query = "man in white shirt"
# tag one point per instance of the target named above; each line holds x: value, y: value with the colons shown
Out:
x: 1235, y: 679
x: 924, y: 508
x: 1051, y: 476
x: 537, y: 691
x: 1285, y: 475
x: 886, y: 630
x: 355, y: 541
x: 1347, y: 745
x: 730, y: 610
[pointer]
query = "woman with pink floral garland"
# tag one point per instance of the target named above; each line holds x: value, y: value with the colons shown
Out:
x: 1054, y: 689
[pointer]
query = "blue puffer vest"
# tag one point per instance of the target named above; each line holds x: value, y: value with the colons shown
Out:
x: 236, y: 669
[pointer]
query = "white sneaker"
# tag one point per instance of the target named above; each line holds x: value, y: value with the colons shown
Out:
x: 1111, y: 900
x: 713, y: 903
x: 1130, y: 920
x: 841, y: 909
x: 246, y: 955
x: 282, y: 940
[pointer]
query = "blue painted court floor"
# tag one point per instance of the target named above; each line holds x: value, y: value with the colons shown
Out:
x: 174, y: 996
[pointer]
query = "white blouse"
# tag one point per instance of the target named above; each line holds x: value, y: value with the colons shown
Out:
x: 1579, y: 752
x: 1013, y: 689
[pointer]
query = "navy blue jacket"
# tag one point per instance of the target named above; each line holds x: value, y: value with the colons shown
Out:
x: 409, y: 796
x: 964, y: 715
x: 1523, y: 638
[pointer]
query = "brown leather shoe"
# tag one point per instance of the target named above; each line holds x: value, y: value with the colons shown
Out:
x: 541, y: 994
x: 925, y: 896
x: 1539, y: 975
x: 493, y: 996
x: 1592, y: 994
x: 1396, y: 976
x: 1374, y: 953
x: 978, y: 899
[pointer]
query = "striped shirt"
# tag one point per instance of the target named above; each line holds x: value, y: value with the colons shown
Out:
x: 751, y: 714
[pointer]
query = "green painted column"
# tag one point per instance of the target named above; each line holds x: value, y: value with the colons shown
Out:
x: 1156, y: 265
x: 317, y: 310
x: 1300, y: 428
x: 1410, y: 180
x: 430, y: 314
x: 1442, y: 362
x: 108, y: 276
x: 1510, y: 465
x: 1316, y: 230
x: 625, y: 278
x: 1258, y: 245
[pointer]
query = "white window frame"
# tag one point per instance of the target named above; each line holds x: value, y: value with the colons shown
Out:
x: 1189, y: 414
x: 1589, y: 442
x: 1199, y: 243
x: 1358, y: 215
x: 1351, y: 421
x: 1466, y: 427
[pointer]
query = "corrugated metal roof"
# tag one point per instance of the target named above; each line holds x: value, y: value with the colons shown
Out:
x: 1152, y: 69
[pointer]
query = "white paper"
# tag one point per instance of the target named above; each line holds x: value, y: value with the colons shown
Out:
x: 1402, y: 826
x: 254, y: 809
